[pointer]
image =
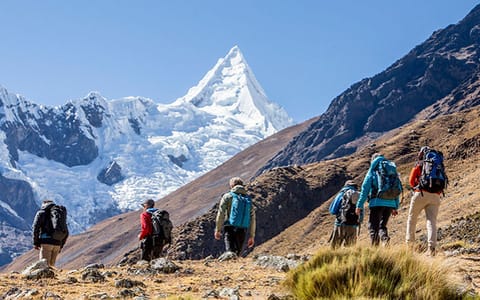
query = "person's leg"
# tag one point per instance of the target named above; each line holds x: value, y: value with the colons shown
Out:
x: 431, y: 213
x: 158, y: 244
x: 417, y: 203
x: 229, y: 239
x: 54, y: 253
x: 350, y: 235
x: 146, y: 246
x: 240, y: 235
x: 336, y: 237
x: 46, y: 252
x: 374, y: 225
x: 385, y: 213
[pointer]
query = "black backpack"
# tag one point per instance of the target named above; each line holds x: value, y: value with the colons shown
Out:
x: 162, y: 226
x: 58, y: 218
x: 433, y: 178
x: 346, y: 213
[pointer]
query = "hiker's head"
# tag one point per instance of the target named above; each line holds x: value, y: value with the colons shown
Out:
x: 148, y: 203
x: 351, y: 183
x: 236, y: 181
x: 374, y: 156
x: 422, y: 152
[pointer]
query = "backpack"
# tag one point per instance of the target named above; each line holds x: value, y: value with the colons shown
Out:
x: 388, y: 184
x: 58, y: 218
x: 337, y: 202
x: 162, y: 226
x: 240, y: 210
x: 346, y: 213
x: 433, y: 178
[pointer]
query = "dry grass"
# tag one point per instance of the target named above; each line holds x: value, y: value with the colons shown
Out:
x: 373, y: 273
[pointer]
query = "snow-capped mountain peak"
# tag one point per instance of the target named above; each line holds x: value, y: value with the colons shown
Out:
x: 230, y: 89
x: 99, y: 157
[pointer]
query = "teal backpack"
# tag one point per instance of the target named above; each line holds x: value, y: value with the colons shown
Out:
x: 240, y: 210
x: 388, y: 184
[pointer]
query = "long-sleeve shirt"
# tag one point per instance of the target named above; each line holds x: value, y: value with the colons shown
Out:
x: 367, y: 187
x: 146, y: 223
x: 225, y: 207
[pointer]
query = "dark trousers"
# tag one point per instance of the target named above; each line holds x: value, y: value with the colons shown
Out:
x: 344, y: 235
x: 234, y: 239
x: 377, y: 224
x: 152, y: 247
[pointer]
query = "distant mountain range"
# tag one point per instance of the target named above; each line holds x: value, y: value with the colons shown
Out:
x: 101, y: 157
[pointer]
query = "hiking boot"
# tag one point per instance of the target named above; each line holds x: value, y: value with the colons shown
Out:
x: 385, y: 241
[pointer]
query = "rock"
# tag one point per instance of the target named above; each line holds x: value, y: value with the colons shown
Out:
x: 92, y: 275
x: 232, y: 294
x: 127, y: 283
x: 227, y: 256
x: 37, y: 270
x: 276, y: 262
x: 164, y: 265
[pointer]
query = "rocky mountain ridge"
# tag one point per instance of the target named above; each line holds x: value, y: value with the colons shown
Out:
x: 443, y: 71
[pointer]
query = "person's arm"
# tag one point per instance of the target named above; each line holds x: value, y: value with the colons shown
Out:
x: 414, y: 176
x: 366, y: 189
x: 222, y: 212
x: 253, y: 226
x: 144, y: 222
x: 65, y: 240
x: 36, y: 228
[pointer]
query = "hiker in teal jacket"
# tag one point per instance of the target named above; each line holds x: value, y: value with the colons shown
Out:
x: 380, y: 209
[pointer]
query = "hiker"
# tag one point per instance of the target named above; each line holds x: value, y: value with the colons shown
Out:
x: 236, y: 214
x: 152, y: 241
x: 382, y: 192
x: 347, y: 223
x: 428, y: 180
x: 45, y: 238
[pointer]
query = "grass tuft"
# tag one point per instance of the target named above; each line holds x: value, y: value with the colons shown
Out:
x: 372, y: 273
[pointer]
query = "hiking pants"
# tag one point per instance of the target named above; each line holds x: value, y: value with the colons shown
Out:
x: 50, y: 253
x: 147, y: 248
x: 377, y: 224
x: 344, y: 233
x: 234, y: 239
x: 430, y: 202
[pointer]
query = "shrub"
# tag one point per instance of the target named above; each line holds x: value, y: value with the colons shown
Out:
x: 372, y: 273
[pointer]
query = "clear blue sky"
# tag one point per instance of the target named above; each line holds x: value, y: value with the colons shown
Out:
x: 303, y: 53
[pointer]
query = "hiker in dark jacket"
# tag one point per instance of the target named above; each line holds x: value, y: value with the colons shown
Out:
x: 380, y: 209
x: 234, y: 235
x: 347, y: 223
x: 149, y: 249
x: 42, y: 235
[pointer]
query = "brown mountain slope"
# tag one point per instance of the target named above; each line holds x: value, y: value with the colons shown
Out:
x: 109, y: 240
x: 457, y: 135
x: 286, y: 195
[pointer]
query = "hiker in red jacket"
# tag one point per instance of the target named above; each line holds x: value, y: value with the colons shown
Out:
x: 149, y: 252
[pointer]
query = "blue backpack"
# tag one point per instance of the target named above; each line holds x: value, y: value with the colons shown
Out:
x: 388, y: 184
x: 433, y: 178
x: 240, y: 210
x: 337, y: 202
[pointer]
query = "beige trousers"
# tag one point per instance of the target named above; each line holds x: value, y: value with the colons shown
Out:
x: 429, y: 202
x: 49, y: 252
